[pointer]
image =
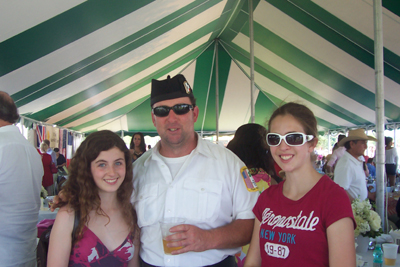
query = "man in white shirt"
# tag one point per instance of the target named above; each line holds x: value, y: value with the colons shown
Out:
x: 187, y: 177
x: 349, y: 172
x: 21, y: 173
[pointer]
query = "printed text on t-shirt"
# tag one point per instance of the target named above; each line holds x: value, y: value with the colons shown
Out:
x: 299, y: 222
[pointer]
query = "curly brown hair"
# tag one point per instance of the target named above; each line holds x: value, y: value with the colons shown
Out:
x: 80, y: 190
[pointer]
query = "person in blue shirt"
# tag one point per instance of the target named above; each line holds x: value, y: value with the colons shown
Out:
x: 371, y: 167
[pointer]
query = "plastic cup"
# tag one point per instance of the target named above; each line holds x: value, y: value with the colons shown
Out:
x: 165, y: 225
x: 390, y: 254
x: 50, y: 200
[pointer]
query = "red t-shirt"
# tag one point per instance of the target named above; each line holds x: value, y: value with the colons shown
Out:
x: 293, y: 233
x: 48, y: 175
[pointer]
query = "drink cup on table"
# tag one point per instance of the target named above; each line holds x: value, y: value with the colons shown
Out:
x: 390, y: 254
x: 166, y: 224
x: 50, y: 200
x: 44, y: 204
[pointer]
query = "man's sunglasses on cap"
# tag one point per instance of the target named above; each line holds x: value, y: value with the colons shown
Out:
x: 291, y: 139
x: 179, y: 109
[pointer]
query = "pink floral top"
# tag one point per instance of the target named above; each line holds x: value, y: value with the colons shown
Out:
x: 262, y: 179
x: 90, y: 251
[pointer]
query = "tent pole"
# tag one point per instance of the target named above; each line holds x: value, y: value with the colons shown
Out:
x: 251, y: 32
x: 379, y: 112
x: 208, y: 92
x: 216, y: 91
x: 329, y: 143
x: 21, y: 122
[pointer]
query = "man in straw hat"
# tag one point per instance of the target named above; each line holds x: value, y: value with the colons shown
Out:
x: 349, y: 172
x: 184, y: 176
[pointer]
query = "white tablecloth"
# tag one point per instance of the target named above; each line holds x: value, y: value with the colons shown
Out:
x: 46, y: 214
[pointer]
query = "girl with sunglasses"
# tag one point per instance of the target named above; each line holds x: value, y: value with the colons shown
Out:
x: 307, y: 219
x: 98, y: 190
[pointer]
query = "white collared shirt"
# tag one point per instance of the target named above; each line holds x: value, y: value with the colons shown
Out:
x: 350, y: 175
x: 21, y: 172
x: 53, y: 155
x: 208, y: 191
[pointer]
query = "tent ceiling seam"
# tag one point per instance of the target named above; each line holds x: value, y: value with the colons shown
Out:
x: 190, y: 63
x: 111, y: 52
x: 230, y: 18
x: 336, y: 31
x: 237, y: 64
x: 279, y: 78
x: 120, y: 116
x: 208, y: 93
x: 115, y: 96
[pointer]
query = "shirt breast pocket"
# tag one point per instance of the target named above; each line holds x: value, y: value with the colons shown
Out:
x: 147, y: 205
x: 202, y: 199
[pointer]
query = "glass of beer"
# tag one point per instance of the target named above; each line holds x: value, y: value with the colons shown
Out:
x: 166, y: 224
x: 390, y: 254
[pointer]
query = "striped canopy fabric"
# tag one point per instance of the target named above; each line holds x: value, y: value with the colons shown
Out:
x: 88, y: 65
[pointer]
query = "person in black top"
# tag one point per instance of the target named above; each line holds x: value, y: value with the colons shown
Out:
x: 137, y: 146
x: 61, y: 161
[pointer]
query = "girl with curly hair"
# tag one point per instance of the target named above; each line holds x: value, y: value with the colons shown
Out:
x: 98, y: 188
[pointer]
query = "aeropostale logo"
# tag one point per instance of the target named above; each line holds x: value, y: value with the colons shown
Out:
x: 300, y: 222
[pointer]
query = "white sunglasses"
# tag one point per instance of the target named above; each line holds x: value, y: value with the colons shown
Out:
x: 291, y: 139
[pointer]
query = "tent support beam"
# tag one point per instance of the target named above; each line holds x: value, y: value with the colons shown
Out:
x: 379, y: 112
x: 329, y: 140
x: 216, y: 91
x: 208, y: 93
x: 251, y: 32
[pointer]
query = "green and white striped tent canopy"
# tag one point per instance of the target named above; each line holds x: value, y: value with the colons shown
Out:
x: 88, y: 65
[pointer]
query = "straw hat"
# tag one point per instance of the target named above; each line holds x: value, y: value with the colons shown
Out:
x: 358, y: 134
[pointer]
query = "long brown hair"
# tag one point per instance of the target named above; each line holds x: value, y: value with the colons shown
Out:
x: 142, y: 145
x: 250, y: 145
x: 80, y: 190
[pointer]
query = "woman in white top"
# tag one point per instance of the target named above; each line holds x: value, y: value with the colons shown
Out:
x: 391, y: 159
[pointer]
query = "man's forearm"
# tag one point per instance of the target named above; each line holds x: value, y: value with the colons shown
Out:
x: 236, y: 234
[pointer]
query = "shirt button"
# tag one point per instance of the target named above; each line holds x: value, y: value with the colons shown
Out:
x: 169, y: 210
x: 202, y: 189
x: 141, y: 197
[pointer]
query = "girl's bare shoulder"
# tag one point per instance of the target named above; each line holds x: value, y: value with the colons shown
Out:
x: 66, y: 213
